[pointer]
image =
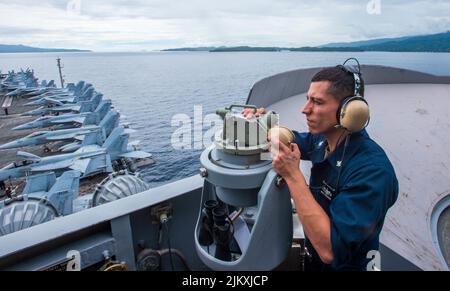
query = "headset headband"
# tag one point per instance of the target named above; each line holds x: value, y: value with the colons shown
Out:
x: 356, y: 72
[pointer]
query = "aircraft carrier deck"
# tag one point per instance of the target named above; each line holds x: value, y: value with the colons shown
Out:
x: 7, y: 156
x: 7, y: 122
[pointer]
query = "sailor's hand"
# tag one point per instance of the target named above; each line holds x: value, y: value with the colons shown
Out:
x: 249, y: 112
x: 286, y: 160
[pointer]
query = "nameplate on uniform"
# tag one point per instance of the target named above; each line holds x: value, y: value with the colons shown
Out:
x: 327, y: 191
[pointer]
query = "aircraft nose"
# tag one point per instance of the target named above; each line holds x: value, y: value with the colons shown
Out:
x: 8, y: 145
x: 37, y: 102
x: 22, y: 127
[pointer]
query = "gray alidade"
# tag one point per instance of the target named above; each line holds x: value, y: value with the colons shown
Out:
x: 239, y: 177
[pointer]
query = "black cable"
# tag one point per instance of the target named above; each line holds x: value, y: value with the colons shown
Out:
x: 179, y: 254
x: 339, y: 139
x: 232, y: 226
x: 168, y: 244
x: 347, y: 138
x: 159, y: 236
x: 335, y: 147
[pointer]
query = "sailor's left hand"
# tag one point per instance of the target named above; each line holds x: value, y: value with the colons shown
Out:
x: 286, y: 160
x: 249, y: 112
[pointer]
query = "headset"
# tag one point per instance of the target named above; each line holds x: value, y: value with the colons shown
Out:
x: 353, y: 112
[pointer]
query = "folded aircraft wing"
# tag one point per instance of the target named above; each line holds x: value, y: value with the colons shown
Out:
x: 67, y: 107
x: 94, y: 164
x: 136, y: 155
x: 62, y: 136
x: 77, y: 119
x: 52, y: 101
x: 80, y: 165
x: 53, y: 166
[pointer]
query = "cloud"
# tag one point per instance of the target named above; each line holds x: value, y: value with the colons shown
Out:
x: 156, y: 24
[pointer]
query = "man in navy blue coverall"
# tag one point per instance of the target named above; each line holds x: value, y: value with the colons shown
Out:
x: 342, y: 214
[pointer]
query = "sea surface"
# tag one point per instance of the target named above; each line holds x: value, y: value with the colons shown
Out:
x: 150, y: 89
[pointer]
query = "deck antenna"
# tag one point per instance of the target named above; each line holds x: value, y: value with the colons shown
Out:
x: 58, y: 60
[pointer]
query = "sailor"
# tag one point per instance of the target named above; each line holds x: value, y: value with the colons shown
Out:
x: 352, y: 183
x: 8, y: 192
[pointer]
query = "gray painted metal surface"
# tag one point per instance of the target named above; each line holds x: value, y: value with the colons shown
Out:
x: 185, y: 197
x: 238, y: 177
x: 90, y: 250
x: 117, y: 186
x: 440, y: 228
x: 24, y: 213
x: 270, y: 237
x: 123, y: 234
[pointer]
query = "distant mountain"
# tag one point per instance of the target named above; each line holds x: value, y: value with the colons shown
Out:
x: 261, y: 49
x: 364, y: 42
x: 246, y: 49
x: 426, y: 43
x: 4, y: 48
x: 191, y: 49
x: 281, y: 49
x: 326, y: 49
x: 439, y: 42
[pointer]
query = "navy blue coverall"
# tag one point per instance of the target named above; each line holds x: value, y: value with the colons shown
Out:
x: 358, y: 205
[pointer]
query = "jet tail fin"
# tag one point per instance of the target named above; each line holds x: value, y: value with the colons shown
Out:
x: 94, y: 137
x: 64, y: 191
x: 67, y: 181
x: 40, y: 182
x: 117, y: 141
x: 109, y: 122
x: 103, y: 108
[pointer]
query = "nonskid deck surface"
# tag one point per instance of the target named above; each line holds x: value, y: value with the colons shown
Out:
x: 13, y: 119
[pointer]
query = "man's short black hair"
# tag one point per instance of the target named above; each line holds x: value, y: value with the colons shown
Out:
x: 342, y: 82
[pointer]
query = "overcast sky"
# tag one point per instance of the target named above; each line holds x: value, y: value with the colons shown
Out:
x: 119, y: 25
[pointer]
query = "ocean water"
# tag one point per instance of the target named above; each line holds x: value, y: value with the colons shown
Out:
x: 149, y: 89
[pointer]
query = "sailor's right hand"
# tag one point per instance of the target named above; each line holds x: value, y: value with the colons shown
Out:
x: 249, y: 112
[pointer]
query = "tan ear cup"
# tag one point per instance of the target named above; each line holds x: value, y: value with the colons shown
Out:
x: 281, y: 133
x: 354, y: 115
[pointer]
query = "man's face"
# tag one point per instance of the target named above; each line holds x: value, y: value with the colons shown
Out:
x: 320, y: 108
